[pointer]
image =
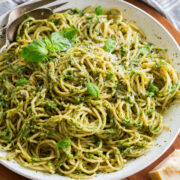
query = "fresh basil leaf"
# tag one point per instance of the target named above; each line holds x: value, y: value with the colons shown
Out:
x: 21, y: 82
x: 110, y: 45
x: 48, y: 43
x: 63, y: 40
x: 70, y: 34
x: 35, y: 52
x: 153, y: 88
x: 99, y: 10
x: 59, y: 42
x: 93, y: 90
x: 64, y: 144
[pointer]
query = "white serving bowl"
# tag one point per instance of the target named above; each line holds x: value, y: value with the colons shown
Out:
x: 153, y: 30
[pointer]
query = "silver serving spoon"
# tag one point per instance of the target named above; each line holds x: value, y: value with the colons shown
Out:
x: 19, y: 11
x: 42, y: 13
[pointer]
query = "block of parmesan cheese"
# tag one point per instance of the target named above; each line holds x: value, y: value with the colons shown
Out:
x: 168, y: 169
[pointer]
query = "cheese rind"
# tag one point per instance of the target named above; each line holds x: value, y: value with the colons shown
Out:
x: 168, y: 169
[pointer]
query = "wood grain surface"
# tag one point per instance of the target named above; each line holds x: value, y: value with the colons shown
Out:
x: 6, y: 174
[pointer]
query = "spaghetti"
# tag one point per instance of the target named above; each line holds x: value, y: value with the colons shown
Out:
x: 87, y: 109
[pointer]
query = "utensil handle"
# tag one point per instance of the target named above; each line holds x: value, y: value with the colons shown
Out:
x: 3, y: 48
x: 3, y: 32
x: 3, y: 29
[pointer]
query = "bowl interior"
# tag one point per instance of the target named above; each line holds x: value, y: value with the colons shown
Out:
x: 155, y: 34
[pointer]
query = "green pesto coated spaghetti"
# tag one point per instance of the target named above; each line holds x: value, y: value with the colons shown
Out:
x: 82, y: 92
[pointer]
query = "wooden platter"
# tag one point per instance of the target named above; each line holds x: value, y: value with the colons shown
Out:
x: 6, y: 174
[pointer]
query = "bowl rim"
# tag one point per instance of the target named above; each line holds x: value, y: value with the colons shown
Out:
x: 138, y: 169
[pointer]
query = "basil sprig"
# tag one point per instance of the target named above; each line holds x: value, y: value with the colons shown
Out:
x: 93, y: 90
x: 58, y: 42
x: 99, y: 10
x: 110, y: 45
